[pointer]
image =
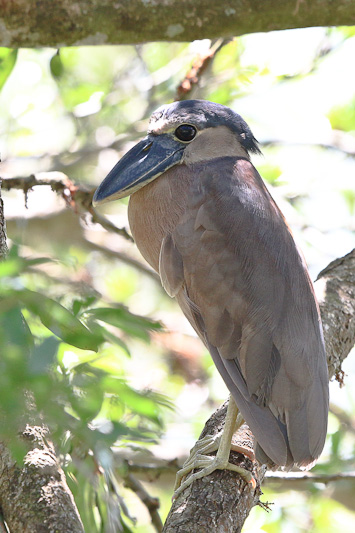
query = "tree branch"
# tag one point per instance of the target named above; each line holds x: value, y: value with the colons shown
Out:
x: 335, y: 289
x: 93, y: 22
x: 222, y: 501
x: 3, y: 239
x: 125, y: 258
x: 199, y: 66
x: 302, y: 477
x: 36, y: 497
x: 151, y: 472
x: 345, y: 420
x: 77, y: 198
x: 152, y: 504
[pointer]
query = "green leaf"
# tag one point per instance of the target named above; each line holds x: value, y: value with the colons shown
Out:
x: 56, y: 65
x: 7, y: 62
x: 43, y: 356
x: 88, y: 405
x: 349, y: 197
x: 121, y: 432
x: 10, y: 267
x: 78, y: 305
x: 134, y: 325
x: 109, y: 336
x: 143, y: 404
x: 336, y: 439
x: 271, y: 173
x: 125, y: 529
x: 14, y: 329
x: 79, y: 94
x: 60, y: 321
x: 343, y: 117
x: 13, y: 266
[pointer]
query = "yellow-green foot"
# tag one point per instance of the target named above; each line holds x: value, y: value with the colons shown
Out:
x: 222, y: 444
x: 208, y: 465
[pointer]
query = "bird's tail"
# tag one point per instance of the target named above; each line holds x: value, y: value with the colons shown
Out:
x: 299, y: 441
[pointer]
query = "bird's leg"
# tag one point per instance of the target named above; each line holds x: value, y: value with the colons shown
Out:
x: 208, y: 464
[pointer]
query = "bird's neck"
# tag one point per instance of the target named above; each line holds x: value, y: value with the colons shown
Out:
x: 155, y: 210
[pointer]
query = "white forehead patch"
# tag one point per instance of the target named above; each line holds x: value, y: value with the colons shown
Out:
x: 161, y: 126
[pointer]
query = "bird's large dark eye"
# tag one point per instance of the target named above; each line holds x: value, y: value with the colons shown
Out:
x: 185, y: 132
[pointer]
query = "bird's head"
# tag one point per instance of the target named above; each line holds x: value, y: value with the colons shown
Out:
x: 184, y: 132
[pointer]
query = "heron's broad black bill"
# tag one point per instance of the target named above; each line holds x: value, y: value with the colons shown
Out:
x: 143, y: 163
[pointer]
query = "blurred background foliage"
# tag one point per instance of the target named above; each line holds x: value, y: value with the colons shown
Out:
x: 87, y: 331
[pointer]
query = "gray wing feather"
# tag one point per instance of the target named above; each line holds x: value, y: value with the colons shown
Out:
x: 170, y: 267
x: 233, y: 265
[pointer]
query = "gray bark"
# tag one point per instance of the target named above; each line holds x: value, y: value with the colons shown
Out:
x: 26, y: 23
x: 35, y: 497
x: 335, y: 287
x: 222, y: 501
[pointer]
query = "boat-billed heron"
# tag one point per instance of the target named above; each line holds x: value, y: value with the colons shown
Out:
x: 203, y: 219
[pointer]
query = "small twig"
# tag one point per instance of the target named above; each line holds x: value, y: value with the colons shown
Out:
x: 76, y: 198
x: 265, y: 505
x: 122, y: 256
x: 154, y: 471
x: 199, y: 66
x: 3, y: 243
x: 343, y: 417
x: 152, y: 504
x: 171, y: 467
x: 109, y: 226
x: 271, y: 477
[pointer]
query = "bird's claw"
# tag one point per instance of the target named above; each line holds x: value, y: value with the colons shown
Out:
x: 208, y: 464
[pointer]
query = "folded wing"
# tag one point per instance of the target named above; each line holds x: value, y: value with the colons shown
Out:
x: 234, y: 268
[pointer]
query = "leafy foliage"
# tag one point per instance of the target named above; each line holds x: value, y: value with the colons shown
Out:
x: 86, y: 401
x: 7, y: 62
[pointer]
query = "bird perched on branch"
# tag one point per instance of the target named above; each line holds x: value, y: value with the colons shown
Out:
x: 203, y: 219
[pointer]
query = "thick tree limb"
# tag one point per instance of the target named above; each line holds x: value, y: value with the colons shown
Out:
x: 335, y: 288
x: 222, y: 501
x: 25, y: 23
x: 36, y: 497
